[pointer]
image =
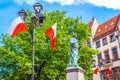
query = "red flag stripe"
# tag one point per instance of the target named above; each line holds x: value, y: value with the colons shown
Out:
x: 53, y: 42
x: 19, y: 28
x: 16, y: 27
x: 96, y: 70
x: 51, y: 33
x: 108, y: 72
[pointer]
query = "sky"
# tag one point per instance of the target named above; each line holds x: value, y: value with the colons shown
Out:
x: 103, y: 10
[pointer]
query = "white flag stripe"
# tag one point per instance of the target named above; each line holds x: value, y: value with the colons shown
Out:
x: 17, y: 21
x: 54, y: 29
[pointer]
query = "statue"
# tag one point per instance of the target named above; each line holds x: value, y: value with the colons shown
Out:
x: 74, y: 72
x: 73, y: 51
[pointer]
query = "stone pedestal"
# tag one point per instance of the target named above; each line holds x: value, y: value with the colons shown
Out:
x: 75, y: 73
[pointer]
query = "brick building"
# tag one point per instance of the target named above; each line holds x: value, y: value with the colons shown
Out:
x: 105, y: 38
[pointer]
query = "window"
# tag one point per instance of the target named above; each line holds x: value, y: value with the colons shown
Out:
x: 115, y: 74
x: 112, y: 23
x: 105, y: 27
x: 112, y: 38
x: 97, y: 44
x: 89, y: 44
x: 107, y: 58
x: 99, y: 57
x: 115, y: 53
x: 99, y: 30
x: 105, y: 41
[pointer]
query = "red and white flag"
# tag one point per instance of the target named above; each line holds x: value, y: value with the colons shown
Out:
x: 108, y: 71
x: 51, y: 33
x: 17, y: 26
x: 96, y: 70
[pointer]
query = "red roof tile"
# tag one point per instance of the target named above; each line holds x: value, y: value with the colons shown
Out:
x: 90, y: 24
x: 107, y: 26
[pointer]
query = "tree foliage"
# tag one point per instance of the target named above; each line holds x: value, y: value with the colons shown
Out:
x: 16, y: 54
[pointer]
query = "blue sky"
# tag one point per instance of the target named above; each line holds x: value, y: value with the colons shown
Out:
x: 101, y: 9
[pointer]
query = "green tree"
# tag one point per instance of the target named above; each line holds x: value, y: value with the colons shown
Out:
x: 16, y: 54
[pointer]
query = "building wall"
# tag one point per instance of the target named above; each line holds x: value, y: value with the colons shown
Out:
x: 94, y: 27
x: 93, y: 30
x: 108, y: 47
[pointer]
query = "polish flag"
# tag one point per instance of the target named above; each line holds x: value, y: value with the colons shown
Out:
x: 17, y: 26
x: 108, y: 71
x: 51, y: 33
x: 96, y: 70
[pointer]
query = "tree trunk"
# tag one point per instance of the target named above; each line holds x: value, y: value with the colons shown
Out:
x: 40, y: 70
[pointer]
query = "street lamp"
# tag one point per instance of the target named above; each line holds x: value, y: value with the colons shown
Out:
x: 38, y: 7
x: 22, y: 14
x: 38, y: 16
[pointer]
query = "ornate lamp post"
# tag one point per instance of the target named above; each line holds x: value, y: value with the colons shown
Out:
x: 38, y: 16
x: 22, y: 14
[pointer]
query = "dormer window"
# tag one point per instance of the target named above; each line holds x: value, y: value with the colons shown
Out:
x: 105, y: 27
x: 112, y: 23
x: 99, y: 30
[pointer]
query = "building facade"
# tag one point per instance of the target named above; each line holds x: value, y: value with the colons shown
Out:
x: 106, y: 39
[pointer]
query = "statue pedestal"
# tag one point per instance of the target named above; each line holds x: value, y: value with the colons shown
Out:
x: 74, y: 73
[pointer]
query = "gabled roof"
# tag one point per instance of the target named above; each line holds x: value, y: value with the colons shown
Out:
x: 107, y: 26
x: 90, y: 24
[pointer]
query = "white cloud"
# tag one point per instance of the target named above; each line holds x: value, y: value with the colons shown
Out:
x: 30, y: 2
x: 113, y: 4
x: 65, y: 2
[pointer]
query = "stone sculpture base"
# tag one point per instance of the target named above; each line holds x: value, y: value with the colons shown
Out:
x: 74, y: 73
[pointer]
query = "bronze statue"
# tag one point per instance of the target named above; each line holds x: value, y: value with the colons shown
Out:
x: 73, y: 51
